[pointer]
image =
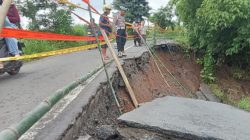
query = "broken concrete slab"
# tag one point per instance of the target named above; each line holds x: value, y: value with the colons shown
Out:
x: 87, y: 137
x: 106, y: 132
x: 139, y: 134
x: 190, y: 119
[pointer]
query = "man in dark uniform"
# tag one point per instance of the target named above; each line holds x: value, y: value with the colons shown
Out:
x: 121, y: 32
x: 105, y: 24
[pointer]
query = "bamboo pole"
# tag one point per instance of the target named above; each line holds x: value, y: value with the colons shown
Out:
x: 104, y: 65
x: 118, y: 64
x: 17, y: 130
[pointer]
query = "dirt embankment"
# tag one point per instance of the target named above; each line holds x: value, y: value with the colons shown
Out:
x: 99, y: 118
x: 182, y: 73
x: 231, y: 90
x: 148, y: 83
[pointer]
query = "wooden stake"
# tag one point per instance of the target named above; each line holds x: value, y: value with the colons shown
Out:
x: 118, y: 64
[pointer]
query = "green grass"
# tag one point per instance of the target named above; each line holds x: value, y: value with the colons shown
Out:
x: 217, y: 91
x: 38, y: 46
x: 221, y: 95
x: 180, y: 37
x: 244, y: 103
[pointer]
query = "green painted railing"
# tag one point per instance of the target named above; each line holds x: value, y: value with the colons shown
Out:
x: 17, y: 130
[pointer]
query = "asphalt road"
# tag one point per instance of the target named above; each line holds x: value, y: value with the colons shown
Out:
x: 38, y: 80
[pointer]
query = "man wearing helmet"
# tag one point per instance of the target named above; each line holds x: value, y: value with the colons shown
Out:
x: 105, y: 24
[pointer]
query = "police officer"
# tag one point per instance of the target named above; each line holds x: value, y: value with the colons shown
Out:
x: 105, y: 24
x: 120, y: 27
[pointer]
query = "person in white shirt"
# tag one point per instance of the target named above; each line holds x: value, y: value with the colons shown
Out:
x: 121, y: 31
x: 143, y: 30
x: 137, y: 32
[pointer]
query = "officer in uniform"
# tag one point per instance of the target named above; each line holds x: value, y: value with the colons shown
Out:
x: 120, y: 27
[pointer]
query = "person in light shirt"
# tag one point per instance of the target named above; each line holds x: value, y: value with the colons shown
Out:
x: 143, y: 30
x: 121, y: 31
x: 105, y: 25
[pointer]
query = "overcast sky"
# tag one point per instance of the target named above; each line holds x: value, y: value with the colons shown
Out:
x: 155, y: 4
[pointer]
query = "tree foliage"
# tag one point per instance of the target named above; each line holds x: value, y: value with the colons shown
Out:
x: 218, y: 30
x: 46, y: 15
x: 136, y: 8
x: 163, y: 17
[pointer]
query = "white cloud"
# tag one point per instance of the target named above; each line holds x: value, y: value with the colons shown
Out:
x: 156, y: 4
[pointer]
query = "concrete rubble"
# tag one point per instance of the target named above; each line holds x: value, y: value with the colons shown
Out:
x: 190, y: 119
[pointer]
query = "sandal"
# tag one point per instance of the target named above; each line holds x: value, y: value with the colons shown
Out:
x: 1, y: 66
x: 106, y: 58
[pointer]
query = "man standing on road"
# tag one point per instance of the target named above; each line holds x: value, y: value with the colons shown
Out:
x: 121, y: 33
x: 105, y: 24
x: 143, y: 30
x: 93, y: 29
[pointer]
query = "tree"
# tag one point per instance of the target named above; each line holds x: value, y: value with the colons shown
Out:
x: 47, y: 16
x: 136, y: 8
x: 219, y: 30
x: 164, y: 17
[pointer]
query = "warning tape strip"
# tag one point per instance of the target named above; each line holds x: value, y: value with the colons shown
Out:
x: 17, y: 33
x: 51, y: 53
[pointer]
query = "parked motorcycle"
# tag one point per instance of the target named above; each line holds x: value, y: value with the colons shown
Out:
x: 10, y: 67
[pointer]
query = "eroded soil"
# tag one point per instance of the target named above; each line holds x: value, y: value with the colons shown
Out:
x: 148, y: 83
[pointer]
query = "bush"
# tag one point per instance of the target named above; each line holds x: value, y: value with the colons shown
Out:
x: 38, y: 46
x: 218, y: 30
x: 244, y: 103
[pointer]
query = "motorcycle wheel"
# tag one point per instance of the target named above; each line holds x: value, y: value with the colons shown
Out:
x: 14, y: 72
